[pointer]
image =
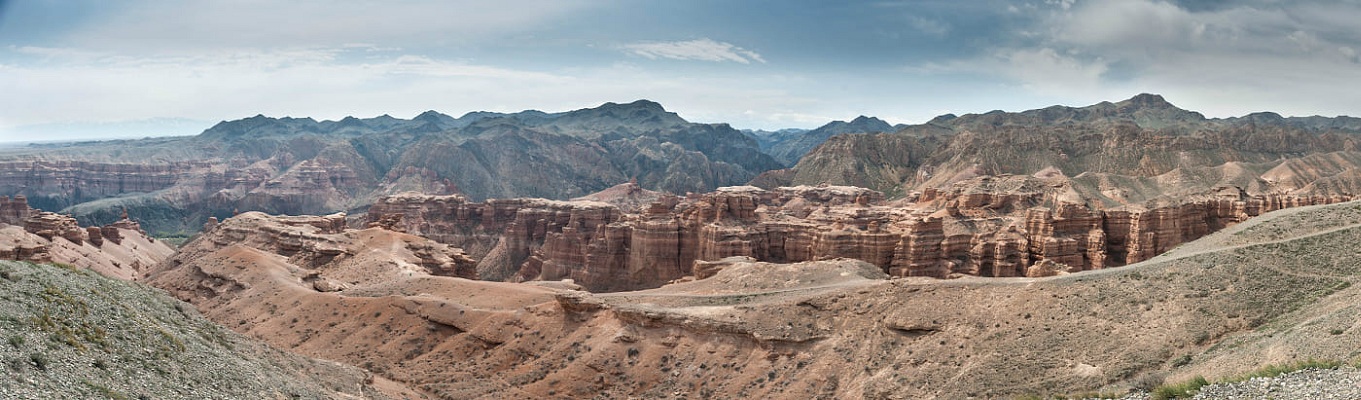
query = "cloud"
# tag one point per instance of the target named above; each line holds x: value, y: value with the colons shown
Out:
x: 228, y: 84
x: 68, y: 85
x: 197, y: 24
x: 1041, y: 70
x: 1047, y: 70
x: 928, y: 26
x: 1229, y: 60
x: 700, y: 49
x: 1224, y: 60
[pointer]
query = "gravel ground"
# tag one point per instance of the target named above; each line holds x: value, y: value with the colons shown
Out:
x: 1343, y: 383
x: 1337, y: 383
x: 71, y: 334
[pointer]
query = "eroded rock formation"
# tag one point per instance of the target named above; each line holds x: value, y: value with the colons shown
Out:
x: 958, y: 230
x: 942, y: 233
x: 120, y: 249
x: 320, y: 242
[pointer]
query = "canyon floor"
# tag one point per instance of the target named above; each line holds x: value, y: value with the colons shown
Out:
x: 1274, y: 289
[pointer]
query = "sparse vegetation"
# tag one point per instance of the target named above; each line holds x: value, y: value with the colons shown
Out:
x: 1181, y: 361
x: 174, y: 239
x: 105, y: 391
x: 1273, y: 370
x: 1179, y: 391
x: 66, y: 318
x: 39, y: 361
x: 117, y: 340
x: 1189, y: 388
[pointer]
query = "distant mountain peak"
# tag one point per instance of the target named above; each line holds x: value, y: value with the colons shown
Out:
x: 859, y: 124
x: 646, y: 104
x: 433, y: 116
x: 1148, y: 100
x: 863, y: 119
x: 942, y: 119
x: 640, y: 104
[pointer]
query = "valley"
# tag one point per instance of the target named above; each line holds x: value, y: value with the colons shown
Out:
x: 623, y: 252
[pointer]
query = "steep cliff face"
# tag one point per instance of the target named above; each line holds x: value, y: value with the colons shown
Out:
x: 57, y: 184
x: 982, y: 226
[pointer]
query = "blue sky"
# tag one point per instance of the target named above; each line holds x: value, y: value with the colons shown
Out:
x: 754, y: 64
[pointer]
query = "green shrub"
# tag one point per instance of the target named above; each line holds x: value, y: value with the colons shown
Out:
x: 1181, y: 390
x: 39, y: 361
x: 1182, y: 361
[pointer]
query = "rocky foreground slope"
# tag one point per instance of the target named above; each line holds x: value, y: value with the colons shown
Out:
x: 73, y: 334
x: 1275, y: 288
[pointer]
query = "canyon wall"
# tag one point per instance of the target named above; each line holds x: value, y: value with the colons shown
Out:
x: 57, y: 184
x: 940, y: 234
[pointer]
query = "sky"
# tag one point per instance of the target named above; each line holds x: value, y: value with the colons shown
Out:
x: 126, y: 68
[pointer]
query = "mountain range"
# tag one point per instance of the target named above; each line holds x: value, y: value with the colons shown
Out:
x: 304, y: 166
x: 1144, y: 136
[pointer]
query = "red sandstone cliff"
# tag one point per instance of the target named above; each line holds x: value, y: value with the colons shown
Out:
x: 943, y: 233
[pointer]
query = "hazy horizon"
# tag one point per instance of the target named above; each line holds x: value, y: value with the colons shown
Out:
x: 77, y: 65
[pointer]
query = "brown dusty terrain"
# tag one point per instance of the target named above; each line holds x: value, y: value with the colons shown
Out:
x: 1274, y: 289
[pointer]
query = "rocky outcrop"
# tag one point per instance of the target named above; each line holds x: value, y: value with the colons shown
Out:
x: 822, y: 329
x: 320, y: 242
x: 120, y: 250
x: 14, y: 211
x: 954, y: 231
x: 49, y: 225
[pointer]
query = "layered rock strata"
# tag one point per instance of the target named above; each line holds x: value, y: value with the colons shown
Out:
x: 120, y: 249
x: 317, y: 243
x: 944, y: 233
